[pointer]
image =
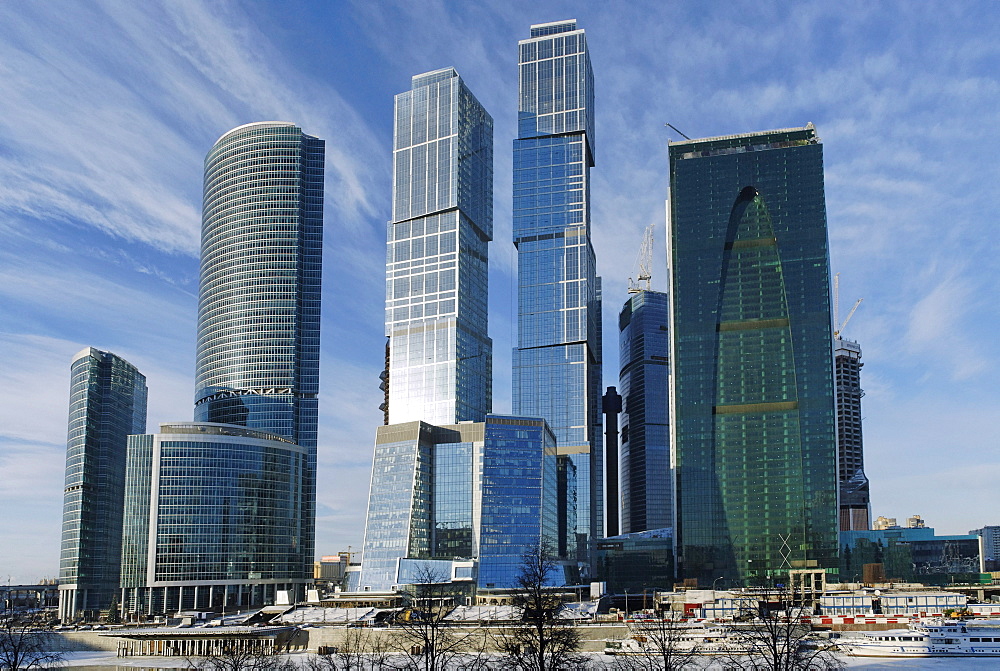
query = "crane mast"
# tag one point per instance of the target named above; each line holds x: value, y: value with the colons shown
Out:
x: 838, y: 326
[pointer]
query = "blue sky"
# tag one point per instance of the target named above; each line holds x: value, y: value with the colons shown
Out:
x: 107, y: 110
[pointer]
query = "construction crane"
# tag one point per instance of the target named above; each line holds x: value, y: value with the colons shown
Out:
x: 839, y: 327
x: 645, y: 263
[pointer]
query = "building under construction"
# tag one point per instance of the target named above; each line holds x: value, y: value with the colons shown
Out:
x: 855, y: 502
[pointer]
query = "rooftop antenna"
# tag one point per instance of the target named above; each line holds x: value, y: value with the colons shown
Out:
x: 645, y: 261
x: 839, y: 327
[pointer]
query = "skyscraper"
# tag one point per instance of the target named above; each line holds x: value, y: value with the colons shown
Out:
x: 222, y: 510
x: 440, y: 356
x: 647, y: 481
x: 259, y: 297
x: 754, y: 421
x: 107, y: 403
x: 855, y: 502
x: 455, y: 491
x: 557, y: 363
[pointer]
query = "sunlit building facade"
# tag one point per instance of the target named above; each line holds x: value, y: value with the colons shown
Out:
x: 557, y: 362
x: 214, y: 519
x: 107, y: 403
x: 221, y: 511
x: 753, y: 412
x: 259, y: 297
x: 480, y: 491
x: 646, y: 477
x: 440, y: 357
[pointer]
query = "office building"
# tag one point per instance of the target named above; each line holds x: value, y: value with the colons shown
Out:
x: 855, y: 501
x: 557, y: 362
x: 107, y: 403
x: 440, y: 358
x: 259, y: 297
x: 640, y: 562
x: 753, y: 412
x: 909, y: 554
x: 990, y: 540
x: 463, y: 501
x: 646, y: 478
x: 214, y: 519
x: 223, y: 508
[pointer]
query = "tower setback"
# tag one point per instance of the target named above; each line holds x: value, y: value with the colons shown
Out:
x: 440, y: 357
x: 557, y: 362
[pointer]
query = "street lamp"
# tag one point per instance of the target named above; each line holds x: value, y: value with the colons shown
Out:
x: 626, y: 603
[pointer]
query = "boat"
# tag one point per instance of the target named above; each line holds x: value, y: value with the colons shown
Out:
x: 929, y: 638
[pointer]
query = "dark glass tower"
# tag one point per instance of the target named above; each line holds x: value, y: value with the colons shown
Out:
x: 557, y: 363
x: 259, y: 297
x: 752, y: 386
x: 855, y: 503
x: 107, y: 403
x: 647, y: 482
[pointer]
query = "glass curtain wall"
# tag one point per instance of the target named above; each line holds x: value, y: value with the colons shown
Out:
x: 259, y: 296
x: 557, y: 362
x: 646, y: 477
x: 107, y: 403
x: 440, y: 357
x: 752, y: 387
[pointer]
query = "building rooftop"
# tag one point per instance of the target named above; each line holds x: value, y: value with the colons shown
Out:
x: 255, y: 124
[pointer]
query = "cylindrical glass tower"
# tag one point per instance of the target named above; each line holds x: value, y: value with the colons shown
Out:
x: 259, y: 297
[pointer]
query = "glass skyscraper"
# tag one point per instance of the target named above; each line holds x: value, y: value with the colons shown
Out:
x: 483, y: 491
x: 440, y: 356
x: 259, y: 297
x: 646, y: 477
x: 222, y: 510
x: 753, y: 410
x: 557, y: 362
x: 107, y: 403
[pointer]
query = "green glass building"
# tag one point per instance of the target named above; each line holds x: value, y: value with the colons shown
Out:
x: 754, y: 422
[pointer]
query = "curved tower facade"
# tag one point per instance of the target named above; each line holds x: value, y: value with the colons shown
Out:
x: 753, y: 414
x: 259, y: 296
x: 646, y: 479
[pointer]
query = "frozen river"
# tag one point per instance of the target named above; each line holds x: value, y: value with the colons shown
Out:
x: 94, y: 661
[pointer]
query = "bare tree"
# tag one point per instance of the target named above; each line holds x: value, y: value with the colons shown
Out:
x: 360, y: 648
x: 664, y: 646
x: 26, y: 644
x: 423, y: 631
x: 774, y: 639
x: 543, y: 641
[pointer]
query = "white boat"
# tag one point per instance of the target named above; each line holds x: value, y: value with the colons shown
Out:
x: 930, y: 638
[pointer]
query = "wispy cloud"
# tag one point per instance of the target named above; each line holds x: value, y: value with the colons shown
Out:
x: 111, y: 130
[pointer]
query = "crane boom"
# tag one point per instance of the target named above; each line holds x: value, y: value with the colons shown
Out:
x: 839, y: 327
x: 849, y: 315
x: 645, y: 263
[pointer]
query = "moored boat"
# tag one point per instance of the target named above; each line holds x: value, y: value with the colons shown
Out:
x: 932, y: 638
